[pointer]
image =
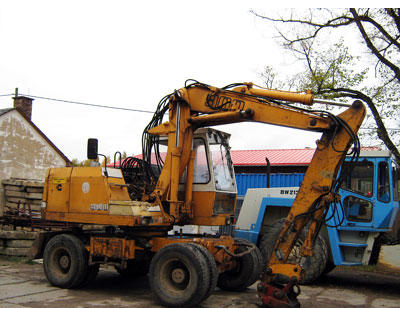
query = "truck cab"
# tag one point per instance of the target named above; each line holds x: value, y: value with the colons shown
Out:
x: 369, y: 203
x: 355, y: 227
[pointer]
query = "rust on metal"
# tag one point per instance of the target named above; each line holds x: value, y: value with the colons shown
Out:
x: 111, y: 247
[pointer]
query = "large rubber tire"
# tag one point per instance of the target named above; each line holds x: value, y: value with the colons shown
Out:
x: 247, y: 270
x: 313, y: 266
x: 257, y: 258
x: 329, y: 266
x: 213, y: 270
x: 179, y: 276
x: 65, y: 261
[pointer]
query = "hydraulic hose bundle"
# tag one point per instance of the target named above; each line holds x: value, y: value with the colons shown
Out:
x: 139, y: 177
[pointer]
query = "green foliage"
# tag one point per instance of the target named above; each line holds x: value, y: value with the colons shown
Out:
x: 330, y: 68
x: 346, y: 53
x: 76, y: 163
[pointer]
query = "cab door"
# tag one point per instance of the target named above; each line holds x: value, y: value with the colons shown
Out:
x: 350, y: 223
x: 357, y: 193
x: 366, y: 194
x: 384, y: 198
x: 364, y: 211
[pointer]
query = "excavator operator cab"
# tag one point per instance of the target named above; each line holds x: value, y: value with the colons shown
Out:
x: 214, y: 183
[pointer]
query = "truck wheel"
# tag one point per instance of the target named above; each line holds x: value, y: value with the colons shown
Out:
x: 257, y: 271
x: 65, y: 261
x: 213, y: 270
x: 247, y: 270
x: 313, y: 266
x: 257, y: 257
x: 329, y: 263
x: 179, y: 276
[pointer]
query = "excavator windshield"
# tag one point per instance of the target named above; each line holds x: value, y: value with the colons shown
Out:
x: 224, y: 177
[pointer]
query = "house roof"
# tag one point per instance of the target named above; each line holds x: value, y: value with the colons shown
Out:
x: 4, y: 111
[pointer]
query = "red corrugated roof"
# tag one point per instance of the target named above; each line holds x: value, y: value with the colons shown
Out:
x: 277, y: 157
x: 257, y: 157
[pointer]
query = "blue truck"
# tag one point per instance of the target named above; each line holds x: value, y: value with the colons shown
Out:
x: 355, y: 228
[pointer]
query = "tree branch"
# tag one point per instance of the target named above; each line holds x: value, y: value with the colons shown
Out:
x: 382, y: 132
x: 396, y: 18
x: 373, y: 49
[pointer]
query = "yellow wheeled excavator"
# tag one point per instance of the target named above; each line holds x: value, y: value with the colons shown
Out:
x: 122, y: 215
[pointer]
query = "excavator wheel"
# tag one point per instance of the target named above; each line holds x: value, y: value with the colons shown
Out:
x: 213, y: 270
x: 179, y: 276
x: 246, y: 272
x: 65, y: 261
x: 313, y: 266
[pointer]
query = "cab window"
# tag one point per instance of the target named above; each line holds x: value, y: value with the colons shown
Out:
x: 201, y: 173
x: 358, y: 177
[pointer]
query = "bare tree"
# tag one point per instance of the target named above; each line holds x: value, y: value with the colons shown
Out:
x: 333, y: 72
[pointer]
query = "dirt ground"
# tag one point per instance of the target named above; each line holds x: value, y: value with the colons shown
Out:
x: 25, y: 285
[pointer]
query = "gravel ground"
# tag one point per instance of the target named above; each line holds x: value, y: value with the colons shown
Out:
x: 25, y: 285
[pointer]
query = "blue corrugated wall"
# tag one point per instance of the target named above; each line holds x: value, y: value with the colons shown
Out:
x: 245, y: 181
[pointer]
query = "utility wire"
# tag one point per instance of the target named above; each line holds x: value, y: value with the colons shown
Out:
x: 80, y: 103
x: 126, y: 109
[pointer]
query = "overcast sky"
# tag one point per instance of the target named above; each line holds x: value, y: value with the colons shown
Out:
x: 130, y: 54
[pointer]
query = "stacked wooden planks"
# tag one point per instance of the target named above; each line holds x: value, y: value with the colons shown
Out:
x: 23, y: 196
x: 23, y: 199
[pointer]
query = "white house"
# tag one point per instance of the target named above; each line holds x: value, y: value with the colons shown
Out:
x: 25, y: 152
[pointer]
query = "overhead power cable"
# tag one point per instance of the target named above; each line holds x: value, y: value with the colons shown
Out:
x: 80, y: 103
x: 87, y: 104
x: 127, y: 109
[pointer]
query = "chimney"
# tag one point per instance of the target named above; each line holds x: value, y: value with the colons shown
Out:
x: 23, y: 104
